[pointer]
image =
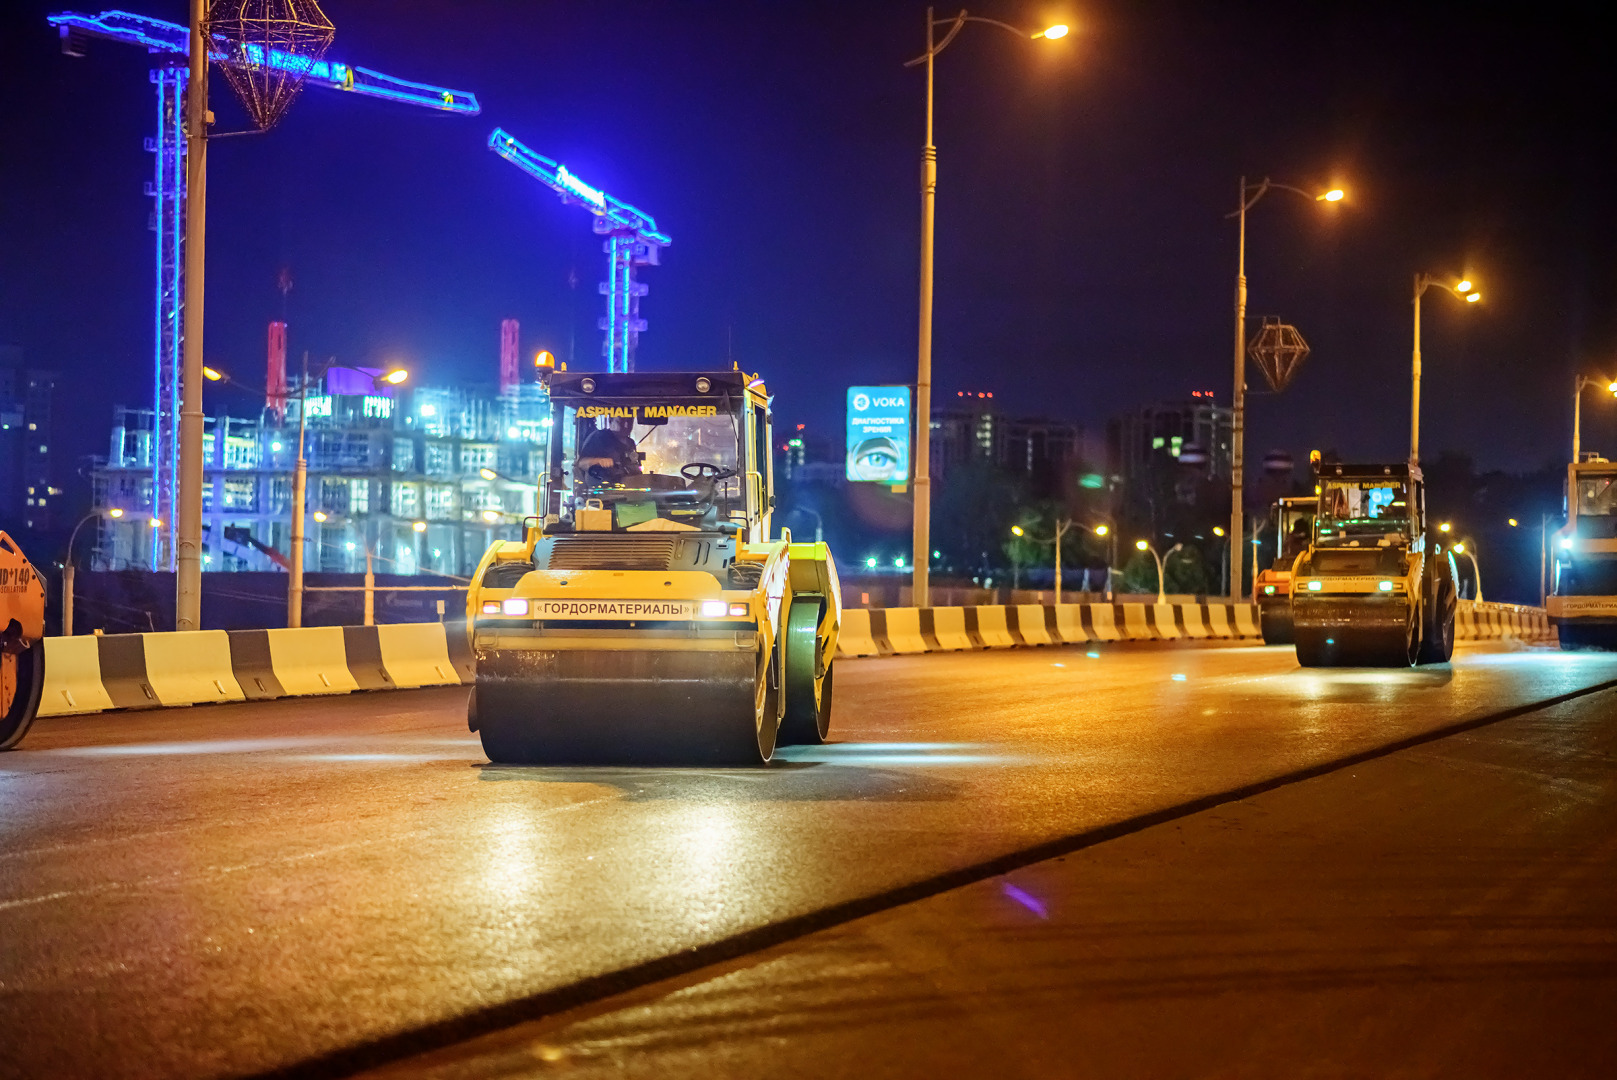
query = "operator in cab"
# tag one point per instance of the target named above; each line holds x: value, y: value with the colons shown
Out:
x: 607, y: 455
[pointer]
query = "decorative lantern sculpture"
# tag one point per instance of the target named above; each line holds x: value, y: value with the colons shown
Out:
x: 266, y: 49
x: 1278, y: 350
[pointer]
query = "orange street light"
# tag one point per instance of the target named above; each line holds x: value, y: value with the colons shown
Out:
x: 1461, y: 289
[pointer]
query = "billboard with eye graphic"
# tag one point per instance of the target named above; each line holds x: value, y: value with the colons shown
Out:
x: 879, y: 434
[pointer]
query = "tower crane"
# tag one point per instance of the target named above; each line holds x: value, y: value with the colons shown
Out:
x: 632, y: 240
x: 170, y: 44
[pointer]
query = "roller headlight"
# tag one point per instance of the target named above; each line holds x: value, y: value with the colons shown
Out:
x: 1315, y: 586
x: 1385, y: 586
x: 714, y: 609
x: 514, y: 605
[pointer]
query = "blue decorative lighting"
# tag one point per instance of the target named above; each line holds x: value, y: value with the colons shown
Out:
x: 579, y: 188
x: 632, y: 240
x: 157, y: 36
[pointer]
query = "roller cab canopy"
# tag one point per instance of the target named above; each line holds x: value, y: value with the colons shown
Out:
x: 659, y: 452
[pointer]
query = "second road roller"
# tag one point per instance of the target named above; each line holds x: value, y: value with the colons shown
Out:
x: 651, y: 614
x: 1374, y: 587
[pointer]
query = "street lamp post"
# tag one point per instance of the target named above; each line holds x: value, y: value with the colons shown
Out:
x: 1162, y: 575
x: 188, y: 512
x: 68, y: 568
x: 922, y: 547
x: 300, y: 479
x: 1460, y: 290
x: 1579, y: 384
x: 1106, y: 531
x: 1063, y: 526
x: 1250, y: 194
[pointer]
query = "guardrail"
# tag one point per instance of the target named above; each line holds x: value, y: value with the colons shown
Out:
x: 197, y: 667
x: 899, y: 631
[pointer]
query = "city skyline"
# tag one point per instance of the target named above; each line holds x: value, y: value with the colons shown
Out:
x: 1083, y: 189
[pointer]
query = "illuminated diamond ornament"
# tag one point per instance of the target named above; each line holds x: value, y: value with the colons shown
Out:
x: 266, y: 49
x: 1278, y: 350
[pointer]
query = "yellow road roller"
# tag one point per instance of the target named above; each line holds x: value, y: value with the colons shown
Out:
x: 22, y: 655
x: 650, y: 614
x: 1374, y: 588
x: 1290, y: 519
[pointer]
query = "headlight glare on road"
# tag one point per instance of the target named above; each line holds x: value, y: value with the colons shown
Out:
x: 1315, y: 586
x: 713, y: 609
x: 514, y: 605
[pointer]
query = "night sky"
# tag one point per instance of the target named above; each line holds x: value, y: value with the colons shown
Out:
x: 1084, y: 262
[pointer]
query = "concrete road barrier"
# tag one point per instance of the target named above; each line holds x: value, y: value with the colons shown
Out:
x: 150, y: 671
x: 887, y: 631
x: 415, y: 654
x: 73, y: 678
x: 190, y: 668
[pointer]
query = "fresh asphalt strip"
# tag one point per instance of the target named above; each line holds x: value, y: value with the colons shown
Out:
x: 457, y: 1029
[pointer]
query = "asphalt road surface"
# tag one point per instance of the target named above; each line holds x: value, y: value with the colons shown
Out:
x: 317, y: 886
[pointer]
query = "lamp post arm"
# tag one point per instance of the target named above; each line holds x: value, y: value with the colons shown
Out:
x: 958, y: 23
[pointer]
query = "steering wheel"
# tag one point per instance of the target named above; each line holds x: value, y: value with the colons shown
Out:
x: 704, y: 470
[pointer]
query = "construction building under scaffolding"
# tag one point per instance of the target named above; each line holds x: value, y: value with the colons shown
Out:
x: 424, y: 479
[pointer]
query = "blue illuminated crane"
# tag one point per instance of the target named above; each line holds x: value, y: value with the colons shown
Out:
x: 632, y: 240
x: 170, y: 43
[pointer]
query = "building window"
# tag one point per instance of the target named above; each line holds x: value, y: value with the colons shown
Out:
x: 440, y: 501
x: 406, y: 500
x: 359, y: 496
